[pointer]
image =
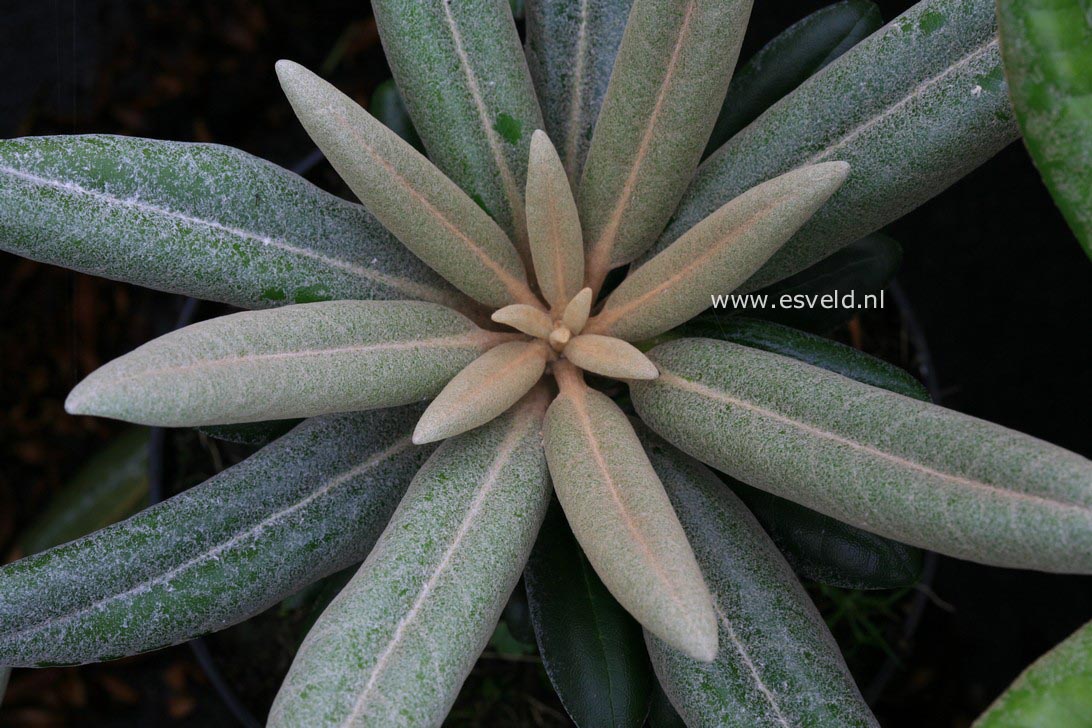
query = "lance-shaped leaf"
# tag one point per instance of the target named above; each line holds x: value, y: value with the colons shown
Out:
x: 387, y: 106
x: 491, y: 384
x: 609, y: 357
x: 619, y: 512
x: 665, y: 91
x: 553, y: 225
x: 816, y: 350
x: 396, y: 644
x: 296, y: 361
x: 462, y: 72
x: 777, y: 664
x: 591, y: 647
x: 912, y: 108
x: 1047, y: 49
x: 799, y: 52
x: 880, y: 461
x: 1053, y: 691
x: 531, y: 320
x: 111, y: 486
x: 570, y: 50
x: 201, y: 220
x: 414, y: 200
x: 717, y: 255
x: 577, y: 311
x: 305, y: 506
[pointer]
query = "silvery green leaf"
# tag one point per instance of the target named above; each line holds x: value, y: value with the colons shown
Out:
x: 414, y: 200
x: 619, y: 513
x: 462, y: 72
x: 717, y: 254
x: 912, y: 108
x: 396, y: 644
x: 296, y: 361
x: 778, y: 664
x: 899, y: 467
x: 1053, y: 691
x: 201, y: 220
x: 571, y: 46
x: 669, y: 80
x: 305, y: 506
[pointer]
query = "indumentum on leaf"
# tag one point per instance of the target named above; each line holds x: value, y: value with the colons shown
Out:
x: 474, y: 277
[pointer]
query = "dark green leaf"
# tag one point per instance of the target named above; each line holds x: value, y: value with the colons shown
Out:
x: 591, y: 647
x: 111, y: 486
x: 862, y: 268
x: 309, y: 504
x: 250, y: 433
x: 801, y: 51
x: 201, y: 220
x: 388, y: 107
x: 662, y: 714
x: 1047, y: 48
x: 517, y: 615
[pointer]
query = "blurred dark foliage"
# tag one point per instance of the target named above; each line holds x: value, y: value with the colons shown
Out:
x: 998, y: 283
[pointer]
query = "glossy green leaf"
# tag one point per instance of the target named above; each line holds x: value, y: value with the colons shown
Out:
x: 716, y: 255
x: 799, y: 52
x: 388, y: 107
x: 1052, y: 693
x: 461, y: 70
x: 557, y: 247
x: 1047, y: 49
x: 905, y: 469
x: 861, y: 268
x: 591, y: 648
x: 777, y: 664
x: 201, y: 220
x: 412, y: 198
x: 296, y: 361
x: 109, y: 487
x: 309, y: 504
x: 809, y: 348
x: 912, y: 108
x: 622, y: 518
x: 396, y: 644
x: 662, y: 713
x: 669, y: 80
x: 823, y: 549
x: 250, y: 433
x: 571, y: 48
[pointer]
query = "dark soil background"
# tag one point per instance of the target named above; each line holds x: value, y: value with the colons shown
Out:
x: 997, y: 280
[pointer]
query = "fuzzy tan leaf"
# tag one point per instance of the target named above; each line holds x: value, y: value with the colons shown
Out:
x: 666, y: 89
x: 553, y: 225
x: 718, y: 254
x: 296, y: 361
x: 610, y: 357
x: 576, y: 312
x: 528, y: 319
x: 896, y: 466
x: 619, y: 512
x: 486, y: 388
x: 414, y: 200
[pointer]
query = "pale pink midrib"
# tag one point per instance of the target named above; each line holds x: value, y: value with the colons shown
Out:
x: 474, y: 339
x: 750, y: 665
x: 333, y: 482
x: 580, y: 405
x: 511, y: 190
x: 503, y: 455
x: 601, y: 250
x: 911, y: 96
x: 417, y: 290
x: 518, y: 289
x: 608, y: 316
x: 555, y: 236
x: 675, y: 380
